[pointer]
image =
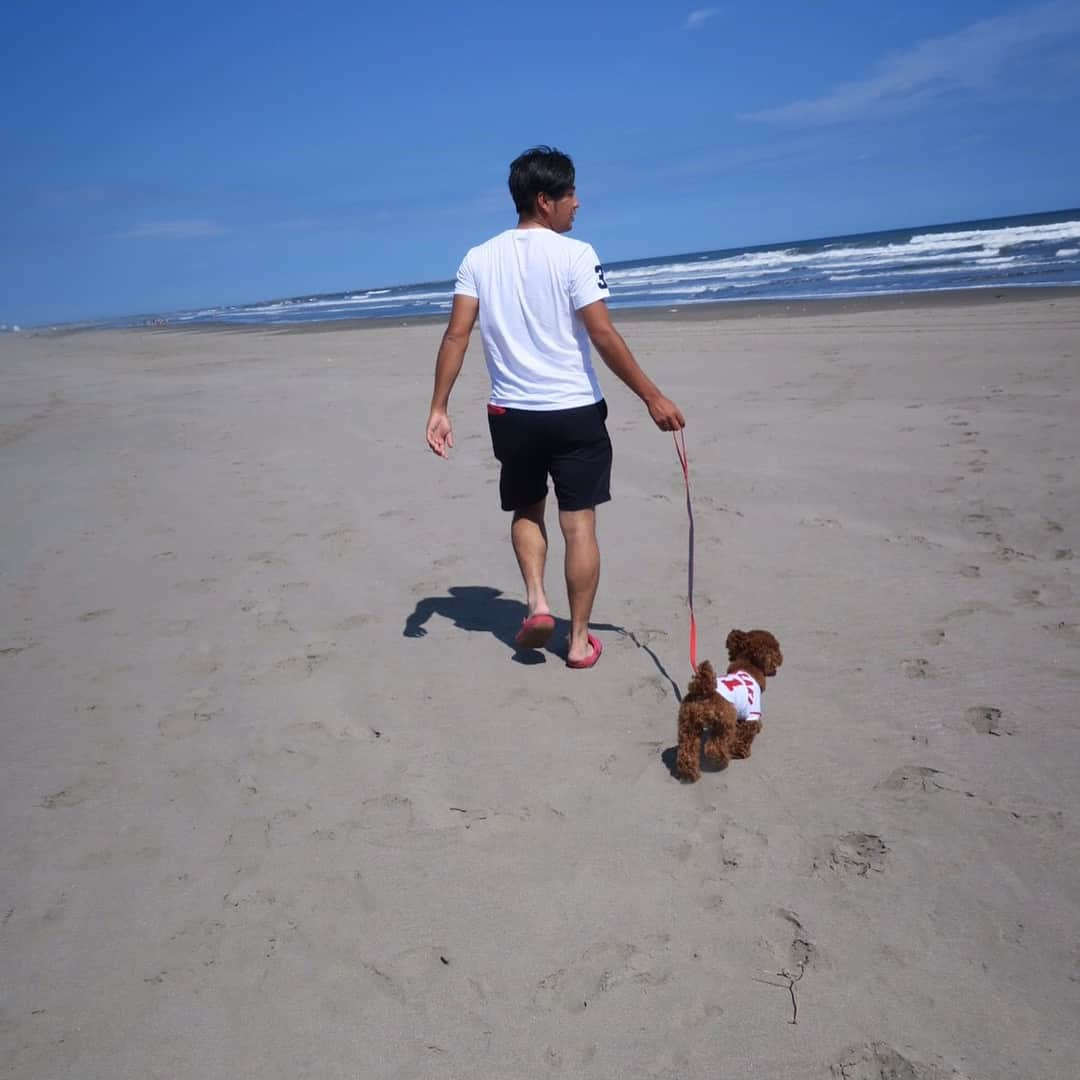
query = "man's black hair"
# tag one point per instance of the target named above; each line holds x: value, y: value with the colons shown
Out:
x: 543, y: 169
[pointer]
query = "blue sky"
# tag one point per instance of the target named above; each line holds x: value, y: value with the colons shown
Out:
x: 160, y: 157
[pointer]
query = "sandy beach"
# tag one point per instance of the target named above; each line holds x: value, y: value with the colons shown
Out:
x: 278, y: 799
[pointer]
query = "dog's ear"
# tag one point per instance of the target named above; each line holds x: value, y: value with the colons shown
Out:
x: 764, y: 650
x: 736, y: 643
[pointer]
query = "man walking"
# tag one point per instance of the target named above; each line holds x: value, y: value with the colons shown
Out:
x: 540, y: 297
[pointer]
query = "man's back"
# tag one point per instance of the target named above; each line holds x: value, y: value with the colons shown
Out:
x: 530, y: 284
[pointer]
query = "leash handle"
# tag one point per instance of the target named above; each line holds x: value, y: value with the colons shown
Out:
x: 684, y: 461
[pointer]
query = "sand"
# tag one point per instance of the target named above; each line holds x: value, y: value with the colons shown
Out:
x: 279, y: 801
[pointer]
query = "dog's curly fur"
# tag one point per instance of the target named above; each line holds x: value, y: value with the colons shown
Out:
x: 707, y: 723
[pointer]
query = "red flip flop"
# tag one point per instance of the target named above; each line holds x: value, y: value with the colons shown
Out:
x: 535, y: 631
x: 590, y: 660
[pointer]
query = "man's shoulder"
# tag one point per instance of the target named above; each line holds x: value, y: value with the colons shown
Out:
x: 571, y: 245
x: 491, y: 243
x: 567, y: 245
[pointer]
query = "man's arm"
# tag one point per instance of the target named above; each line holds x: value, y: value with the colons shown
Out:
x: 617, y: 355
x: 440, y: 433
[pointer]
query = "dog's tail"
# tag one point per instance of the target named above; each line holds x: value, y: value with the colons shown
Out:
x: 703, y: 684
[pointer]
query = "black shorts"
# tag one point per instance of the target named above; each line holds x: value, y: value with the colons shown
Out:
x: 570, y: 445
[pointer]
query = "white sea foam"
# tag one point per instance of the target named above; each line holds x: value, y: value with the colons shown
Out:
x: 1013, y: 254
x: 980, y: 247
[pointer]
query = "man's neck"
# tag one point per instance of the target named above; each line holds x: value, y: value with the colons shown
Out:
x: 532, y: 223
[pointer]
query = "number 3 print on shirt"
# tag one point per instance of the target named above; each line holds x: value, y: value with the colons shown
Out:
x: 600, y: 276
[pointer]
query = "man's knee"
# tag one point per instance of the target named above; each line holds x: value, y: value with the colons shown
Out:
x: 578, y: 524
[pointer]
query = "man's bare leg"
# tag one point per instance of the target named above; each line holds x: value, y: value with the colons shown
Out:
x: 582, y: 575
x: 528, y: 534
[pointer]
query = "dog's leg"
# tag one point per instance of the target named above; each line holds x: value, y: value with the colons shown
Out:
x: 743, y: 737
x: 721, y: 725
x: 688, y: 758
x: 714, y: 749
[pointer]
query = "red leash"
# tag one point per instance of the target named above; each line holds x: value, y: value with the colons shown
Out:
x: 684, y: 461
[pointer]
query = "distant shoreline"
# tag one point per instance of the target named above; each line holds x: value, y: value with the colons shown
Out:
x: 718, y: 310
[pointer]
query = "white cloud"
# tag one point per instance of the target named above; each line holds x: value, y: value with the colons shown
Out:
x: 172, y: 230
x: 699, y: 17
x: 968, y: 60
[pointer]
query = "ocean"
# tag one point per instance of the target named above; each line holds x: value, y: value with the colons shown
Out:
x: 999, y: 253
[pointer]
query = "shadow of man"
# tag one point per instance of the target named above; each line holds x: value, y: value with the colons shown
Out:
x: 483, y: 609
x: 478, y: 609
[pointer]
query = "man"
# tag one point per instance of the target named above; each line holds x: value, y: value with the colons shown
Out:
x: 540, y: 297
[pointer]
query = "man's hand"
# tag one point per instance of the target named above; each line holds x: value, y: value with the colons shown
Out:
x: 665, y: 414
x: 440, y: 433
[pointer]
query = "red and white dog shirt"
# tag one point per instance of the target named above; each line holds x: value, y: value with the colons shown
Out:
x: 742, y: 690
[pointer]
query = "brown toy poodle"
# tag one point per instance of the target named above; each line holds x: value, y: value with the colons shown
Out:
x: 720, y: 717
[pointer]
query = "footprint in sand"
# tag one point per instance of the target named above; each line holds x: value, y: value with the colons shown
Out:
x: 982, y: 525
x: 1009, y: 554
x: 384, y: 818
x: 198, y: 587
x: 854, y: 854
x: 186, y: 723
x: 412, y: 973
x: 270, y: 620
x: 600, y: 969
x: 740, y: 846
x: 801, y: 952
x: 652, y: 688
x: 975, y: 608
x: 14, y: 650
x: 199, y: 942
x: 90, y: 616
x: 1067, y: 631
x: 634, y: 765
x: 266, y: 558
x: 879, y: 1061
x: 1029, y: 597
x: 72, y: 795
x: 308, y: 663
x: 986, y: 720
x: 202, y: 660
x: 249, y: 898
x: 912, y: 778
x: 715, y: 504
x: 919, y: 668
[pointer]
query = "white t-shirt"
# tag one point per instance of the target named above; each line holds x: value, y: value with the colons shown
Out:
x: 531, y: 284
x: 742, y: 690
